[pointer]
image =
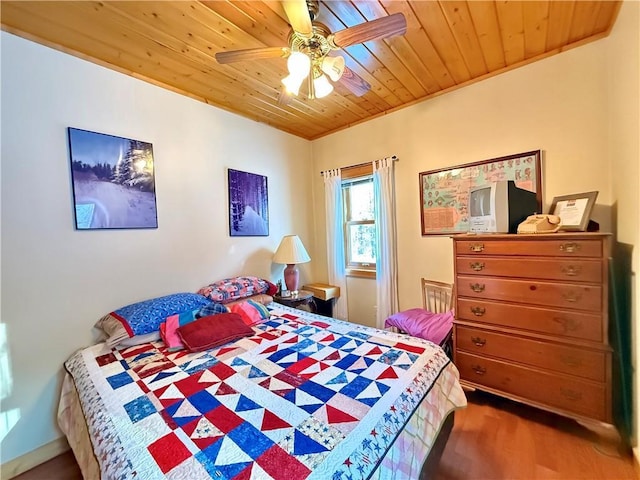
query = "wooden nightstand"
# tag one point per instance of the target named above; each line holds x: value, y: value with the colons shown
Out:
x: 324, y: 297
x: 304, y: 298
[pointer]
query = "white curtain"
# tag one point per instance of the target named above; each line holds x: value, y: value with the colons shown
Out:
x: 335, y: 239
x: 386, y: 240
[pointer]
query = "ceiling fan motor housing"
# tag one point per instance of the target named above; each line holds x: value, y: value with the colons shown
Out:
x: 316, y: 47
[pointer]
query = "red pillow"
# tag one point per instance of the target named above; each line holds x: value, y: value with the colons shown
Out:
x: 272, y: 290
x: 214, y: 330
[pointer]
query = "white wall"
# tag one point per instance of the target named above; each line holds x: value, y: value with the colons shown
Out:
x: 579, y: 107
x: 623, y: 86
x: 56, y: 281
x: 557, y: 105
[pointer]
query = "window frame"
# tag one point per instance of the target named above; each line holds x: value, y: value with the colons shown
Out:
x: 350, y: 176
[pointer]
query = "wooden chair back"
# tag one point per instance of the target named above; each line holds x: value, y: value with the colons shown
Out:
x: 437, y: 297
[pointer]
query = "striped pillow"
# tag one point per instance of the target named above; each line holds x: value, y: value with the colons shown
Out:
x: 251, y: 312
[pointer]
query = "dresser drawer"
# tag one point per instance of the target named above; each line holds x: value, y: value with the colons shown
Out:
x: 576, y: 396
x: 571, y: 270
x: 563, y: 323
x: 581, y: 362
x: 565, y: 295
x: 533, y: 247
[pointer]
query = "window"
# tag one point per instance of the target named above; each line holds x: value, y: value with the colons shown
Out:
x: 359, y: 226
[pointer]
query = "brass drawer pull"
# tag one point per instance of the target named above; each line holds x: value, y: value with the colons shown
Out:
x: 571, y: 394
x: 478, y: 311
x: 570, y: 247
x: 571, y: 297
x: 571, y: 271
x: 477, y: 287
x: 476, y: 266
x: 478, y: 342
x: 479, y: 370
x: 477, y: 247
x: 568, y: 324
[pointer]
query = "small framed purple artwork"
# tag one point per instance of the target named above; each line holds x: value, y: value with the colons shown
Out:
x: 248, y: 204
x: 113, y: 181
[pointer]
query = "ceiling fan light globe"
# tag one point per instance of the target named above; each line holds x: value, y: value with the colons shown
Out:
x: 299, y: 65
x: 292, y: 84
x: 334, y: 67
x: 322, y: 86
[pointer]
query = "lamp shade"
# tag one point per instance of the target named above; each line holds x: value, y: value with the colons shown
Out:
x: 291, y: 251
x: 322, y: 86
x: 334, y: 67
x: 292, y: 83
x: 299, y: 65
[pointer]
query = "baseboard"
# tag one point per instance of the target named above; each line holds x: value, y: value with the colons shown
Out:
x: 46, y: 452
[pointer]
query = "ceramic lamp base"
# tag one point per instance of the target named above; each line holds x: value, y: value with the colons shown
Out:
x: 291, y: 277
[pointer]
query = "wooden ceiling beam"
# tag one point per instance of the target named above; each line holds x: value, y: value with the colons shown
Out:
x: 448, y: 44
x: 459, y: 17
x: 536, y: 24
x: 487, y: 27
x: 435, y: 24
x: 421, y: 45
x: 512, y: 31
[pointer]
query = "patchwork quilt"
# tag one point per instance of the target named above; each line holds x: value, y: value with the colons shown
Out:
x: 306, y: 397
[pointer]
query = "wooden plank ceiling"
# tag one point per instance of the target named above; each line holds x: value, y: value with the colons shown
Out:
x: 447, y: 45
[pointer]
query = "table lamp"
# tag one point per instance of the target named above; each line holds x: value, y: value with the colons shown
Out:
x: 291, y: 251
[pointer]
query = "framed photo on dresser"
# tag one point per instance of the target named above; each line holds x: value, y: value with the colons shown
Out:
x: 574, y: 210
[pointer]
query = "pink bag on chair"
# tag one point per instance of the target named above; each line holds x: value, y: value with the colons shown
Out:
x: 421, y: 323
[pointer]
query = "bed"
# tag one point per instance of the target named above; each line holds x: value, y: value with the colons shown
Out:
x: 304, y: 397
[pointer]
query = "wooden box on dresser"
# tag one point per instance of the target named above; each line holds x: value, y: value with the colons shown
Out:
x: 532, y: 320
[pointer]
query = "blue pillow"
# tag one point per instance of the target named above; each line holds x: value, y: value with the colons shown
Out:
x: 146, y: 316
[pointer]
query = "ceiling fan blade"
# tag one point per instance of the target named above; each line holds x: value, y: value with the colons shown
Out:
x: 354, y: 82
x: 383, y: 27
x: 251, y: 54
x: 298, y: 15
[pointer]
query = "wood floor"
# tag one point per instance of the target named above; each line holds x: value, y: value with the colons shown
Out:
x: 495, y: 438
x: 492, y: 438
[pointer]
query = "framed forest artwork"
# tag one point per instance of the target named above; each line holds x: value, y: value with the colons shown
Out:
x: 444, y: 193
x: 113, y: 181
x: 248, y: 204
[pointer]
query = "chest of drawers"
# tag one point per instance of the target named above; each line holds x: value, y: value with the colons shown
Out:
x: 532, y: 320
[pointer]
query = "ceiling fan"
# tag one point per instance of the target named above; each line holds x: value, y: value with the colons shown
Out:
x: 310, y: 43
